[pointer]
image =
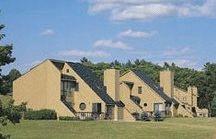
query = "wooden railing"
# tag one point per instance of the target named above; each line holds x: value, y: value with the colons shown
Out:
x: 93, y: 115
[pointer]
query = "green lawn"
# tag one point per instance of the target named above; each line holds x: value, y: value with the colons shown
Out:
x: 169, y: 129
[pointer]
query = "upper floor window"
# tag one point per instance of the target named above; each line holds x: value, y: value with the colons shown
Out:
x: 67, y: 70
x: 69, y: 86
x: 140, y: 90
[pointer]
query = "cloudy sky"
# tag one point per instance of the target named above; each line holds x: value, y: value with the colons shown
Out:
x: 180, y: 31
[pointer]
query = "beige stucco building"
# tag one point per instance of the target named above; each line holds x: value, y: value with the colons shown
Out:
x: 72, y: 89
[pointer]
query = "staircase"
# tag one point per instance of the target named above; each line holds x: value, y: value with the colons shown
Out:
x: 69, y: 106
x: 136, y: 100
x: 184, y: 109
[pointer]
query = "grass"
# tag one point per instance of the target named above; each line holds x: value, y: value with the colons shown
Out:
x: 176, y: 128
x: 171, y: 128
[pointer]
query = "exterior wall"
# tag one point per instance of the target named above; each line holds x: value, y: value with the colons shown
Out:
x: 167, y: 82
x: 128, y: 116
x: 148, y: 95
x: 54, y: 92
x: 188, y: 97
x: 120, y: 113
x: 194, y: 94
x: 125, y: 98
x: 181, y: 95
x: 184, y: 112
x: 40, y: 89
x: 112, y: 83
x: 202, y: 112
x: 85, y: 94
x: 31, y: 87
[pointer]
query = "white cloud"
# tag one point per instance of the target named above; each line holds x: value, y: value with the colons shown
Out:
x: 48, y: 32
x: 150, y: 9
x: 189, y: 63
x: 80, y: 53
x: 177, y: 51
x: 111, y: 44
x: 137, y: 34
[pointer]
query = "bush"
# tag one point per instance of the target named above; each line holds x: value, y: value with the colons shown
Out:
x: 158, y: 116
x: 88, y: 119
x: 136, y: 115
x: 68, y: 118
x: 145, y: 117
x: 44, y: 114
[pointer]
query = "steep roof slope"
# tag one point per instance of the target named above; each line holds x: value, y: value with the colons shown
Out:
x: 92, y: 80
x: 153, y: 85
x: 58, y: 63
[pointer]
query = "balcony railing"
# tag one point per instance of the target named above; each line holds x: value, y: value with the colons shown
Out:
x: 92, y: 115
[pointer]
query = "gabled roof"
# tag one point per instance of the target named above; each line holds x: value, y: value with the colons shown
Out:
x: 58, y: 63
x: 90, y: 78
x: 153, y: 85
x: 93, y: 81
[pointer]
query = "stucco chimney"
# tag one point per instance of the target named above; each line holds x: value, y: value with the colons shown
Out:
x: 192, y: 92
x: 111, y: 81
x: 167, y: 82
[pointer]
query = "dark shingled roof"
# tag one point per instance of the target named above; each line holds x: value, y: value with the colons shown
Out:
x: 67, y: 77
x: 153, y: 85
x: 58, y: 63
x: 120, y: 103
x: 93, y: 81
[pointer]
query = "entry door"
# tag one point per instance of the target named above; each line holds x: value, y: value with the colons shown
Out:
x: 156, y: 107
x: 96, y: 108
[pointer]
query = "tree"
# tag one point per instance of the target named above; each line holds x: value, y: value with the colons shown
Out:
x: 137, y: 62
x: 213, y: 106
x: 5, y: 55
x: 85, y: 61
x: 210, y: 85
x: 8, y: 81
x: 11, y: 113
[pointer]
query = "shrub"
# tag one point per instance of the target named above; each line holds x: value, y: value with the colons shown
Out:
x: 180, y: 116
x: 136, y: 115
x: 145, y: 117
x: 68, y: 118
x: 44, y: 114
x: 158, y: 116
x: 88, y: 119
x: 9, y: 112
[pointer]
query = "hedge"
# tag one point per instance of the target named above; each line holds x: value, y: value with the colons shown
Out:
x: 43, y: 114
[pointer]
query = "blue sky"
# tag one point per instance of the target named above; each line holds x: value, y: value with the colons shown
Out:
x: 104, y: 30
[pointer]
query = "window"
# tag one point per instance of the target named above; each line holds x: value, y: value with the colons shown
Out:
x: 145, y: 105
x: 67, y: 70
x: 96, y: 108
x: 82, y: 106
x: 68, y: 87
x: 140, y: 90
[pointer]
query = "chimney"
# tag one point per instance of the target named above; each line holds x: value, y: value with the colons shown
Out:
x: 192, y: 92
x: 167, y: 82
x: 112, y: 83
